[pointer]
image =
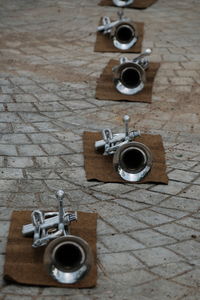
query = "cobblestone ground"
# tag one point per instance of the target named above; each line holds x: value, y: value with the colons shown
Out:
x: 148, y: 235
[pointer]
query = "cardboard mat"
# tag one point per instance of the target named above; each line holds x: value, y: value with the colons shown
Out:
x: 139, y: 4
x: 105, y: 89
x: 24, y: 264
x: 100, y: 167
x: 105, y: 44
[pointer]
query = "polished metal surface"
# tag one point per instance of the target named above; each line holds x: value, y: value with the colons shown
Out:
x: 122, y: 32
x: 122, y: 3
x: 67, y: 258
x: 132, y: 160
x: 129, y: 76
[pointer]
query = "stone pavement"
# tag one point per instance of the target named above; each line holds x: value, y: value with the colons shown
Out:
x: 148, y: 235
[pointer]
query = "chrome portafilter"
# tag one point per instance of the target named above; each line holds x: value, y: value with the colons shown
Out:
x: 132, y: 160
x: 67, y: 258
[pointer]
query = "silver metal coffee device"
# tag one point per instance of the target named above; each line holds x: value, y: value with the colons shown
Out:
x: 122, y: 32
x: 67, y: 258
x: 132, y: 160
x: 129, y: 76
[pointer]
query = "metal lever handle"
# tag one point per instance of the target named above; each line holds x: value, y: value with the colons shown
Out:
x: 126, y: 120
x: 60, y: 195
x: 147, y: 52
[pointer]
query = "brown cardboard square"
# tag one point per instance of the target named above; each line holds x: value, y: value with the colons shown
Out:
x: 105, y: 89
x: 100, y: 167
x: 24, y: 264
x: 104, y: 42
x: 138, y: 4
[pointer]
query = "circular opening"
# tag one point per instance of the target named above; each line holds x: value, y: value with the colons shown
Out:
x: 124, y: 34
x: 132, y: 159
x: 68, y: 256
x: 130, y: 77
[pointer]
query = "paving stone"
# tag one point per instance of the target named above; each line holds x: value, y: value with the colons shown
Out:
x: 147, y: 234
x: 120, y: 242
x: 4, y: 226
x: 171, y: 270
x: 168, y: 290
x: 10, y: 173
x: 146, y: 197
x: 19, y: 162
x: 151, y: 238
x: 119, y: 262
x: 151, y: 217
x: 125, y: 223
x: 189, y: 249
x: 42, y: 138
x: 55, y: 149
x: 192, y: 192
x: 177, y: 231
x: 182, y: 176
x: 181, y: 203
x: 156, y: 256
x: 172, y: 188
x: 30, y: 150
x: 14, y: 139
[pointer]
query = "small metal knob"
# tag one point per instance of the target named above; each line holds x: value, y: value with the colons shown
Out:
x: 60, y: 194
x: 120, y: 13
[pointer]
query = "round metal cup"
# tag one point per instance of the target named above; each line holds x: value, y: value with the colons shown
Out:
x: 68, y: 259
x: 129, y: 78
x: 124, y: 36
x: 132, y: 161
x: 122, y: 3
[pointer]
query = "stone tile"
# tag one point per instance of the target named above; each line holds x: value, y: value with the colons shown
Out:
x: 156, y: 256
x: 14, y: 139
x: 8, y: 150
x: 41, y: 174
x: 189, y: 249
x: 159, y: 288
x: 190, y: 222
x: 55, y: 149
x: 104, y: 228
x: 25, y: 98
x: 132, y: 205
x: 125, y: 223
x: 191, y: 278
x: 30, y: 150
x: 173, y: 188
x: 4, y: 227
x: 42, y: 138
x: 120, y: 242
x: 182, y: 176
x: 119, y: 262
x: 133, y: 278
x: 19, y: 162
x: 147, y: 197
x: 192, y: 192
x: 10, y: 173
x: 151, y: 217
x: 177, y: 231
x: 152, y: 238
x: 171, y: 270
x: 181, y: 203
